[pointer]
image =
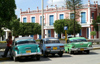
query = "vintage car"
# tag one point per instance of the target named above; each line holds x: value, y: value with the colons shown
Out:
x: 51, y: 46
x: 25, y: 47
x: 78, y: 44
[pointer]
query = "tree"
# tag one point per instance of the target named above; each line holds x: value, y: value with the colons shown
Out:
x: 93, y: 33
x: 59, y: 26
x: 94, y: 23
x: 7, y: 11
x: 14, y: 26
x: 75, y: 6
x: 29, y: 29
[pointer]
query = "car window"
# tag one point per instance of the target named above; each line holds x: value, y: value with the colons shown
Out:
x: 52, y: 41
x: 24, y: 42
x: 78, y: 40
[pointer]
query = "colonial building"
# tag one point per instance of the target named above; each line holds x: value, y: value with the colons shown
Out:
x: 87, y: 13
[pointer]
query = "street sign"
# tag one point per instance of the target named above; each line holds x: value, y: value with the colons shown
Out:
x: 65, y: 27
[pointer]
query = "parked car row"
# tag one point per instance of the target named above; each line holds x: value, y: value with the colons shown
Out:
x: 26, y: 47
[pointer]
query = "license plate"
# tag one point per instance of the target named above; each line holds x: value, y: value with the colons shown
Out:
x: 28, y: 51
x: 54, y: 48
x: 82, y: 49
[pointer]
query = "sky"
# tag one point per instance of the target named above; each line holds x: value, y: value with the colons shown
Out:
x: 32, y: 4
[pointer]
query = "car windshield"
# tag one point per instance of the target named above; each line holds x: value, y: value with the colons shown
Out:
x: 52, y: 41
x: 78, y: 40
x: 25, y: 42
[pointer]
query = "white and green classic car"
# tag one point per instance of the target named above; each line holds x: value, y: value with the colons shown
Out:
x: 78, y: 44
x: 25, y: 47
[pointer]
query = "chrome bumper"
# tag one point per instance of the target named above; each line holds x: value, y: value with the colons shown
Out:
x: 81, y: 49
x: 54, y: 50
x: 27, y: 54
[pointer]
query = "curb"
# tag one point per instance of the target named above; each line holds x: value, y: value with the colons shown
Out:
x: 6, y: 58
x: 96, y: 48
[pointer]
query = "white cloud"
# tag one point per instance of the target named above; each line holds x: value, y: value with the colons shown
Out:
x: 57, y: 2
x: 96, y: 0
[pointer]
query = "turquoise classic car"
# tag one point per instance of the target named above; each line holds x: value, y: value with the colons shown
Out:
x: 25, y: 47
x: 77, y: 44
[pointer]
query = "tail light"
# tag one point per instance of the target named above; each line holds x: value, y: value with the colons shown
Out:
x: 73, y: 46
x: 61, y: 46
x: 16, y: 48
x: 48, y: 47
x: 39, y: 46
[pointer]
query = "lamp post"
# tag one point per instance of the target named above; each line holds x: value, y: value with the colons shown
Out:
x: 42, y: 26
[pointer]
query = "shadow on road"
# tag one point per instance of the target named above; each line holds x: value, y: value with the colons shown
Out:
x: 33, y: 60
x: 57, y: 56
x: 83, y: 53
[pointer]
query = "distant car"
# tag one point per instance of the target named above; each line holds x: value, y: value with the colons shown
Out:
x: 68, y: 36
x: 76, y: 44
x: 25, y: 47
x: 51, y: 46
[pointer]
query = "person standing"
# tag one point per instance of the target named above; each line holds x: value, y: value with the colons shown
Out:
x: 8, y: 48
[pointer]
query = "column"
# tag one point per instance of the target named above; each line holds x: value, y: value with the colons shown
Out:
x: 89, y: 33
x: 46, y: 33
x: 37, y: 36
x: 55, y: 35
x: 61, y: 35
x: 6, y: 35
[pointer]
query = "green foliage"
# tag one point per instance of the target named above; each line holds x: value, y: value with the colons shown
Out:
x: 93, y: 33
x: 7, y: 11
x: 3, y: 41
x: 29, y: 29
x: 94, y: 23
x: 59, y: 26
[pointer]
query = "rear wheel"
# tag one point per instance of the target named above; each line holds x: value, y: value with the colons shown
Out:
x: 38, y: 57
x: 53, y: 54
x: 87, y: 51
x: 60, y: 54
x: 70, y: 52
x: 44, y: 54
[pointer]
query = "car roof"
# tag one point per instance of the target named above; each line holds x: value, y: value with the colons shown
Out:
x: 50, y: 38
x: 76, y: 38
x: 23, y: 38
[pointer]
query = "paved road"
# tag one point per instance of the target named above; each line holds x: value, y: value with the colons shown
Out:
x: 92, y: 58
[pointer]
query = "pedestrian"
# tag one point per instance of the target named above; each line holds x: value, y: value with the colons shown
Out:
x: 8, y: 48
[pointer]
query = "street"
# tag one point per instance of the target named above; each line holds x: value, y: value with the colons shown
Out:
x: 92, y: 58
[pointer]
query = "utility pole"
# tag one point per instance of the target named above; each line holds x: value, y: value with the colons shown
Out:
x: 42, y: 26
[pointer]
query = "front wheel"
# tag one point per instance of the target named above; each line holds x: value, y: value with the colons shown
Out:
x: 71, y: 52
x: 15, y: 58
x: 60, y: 54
